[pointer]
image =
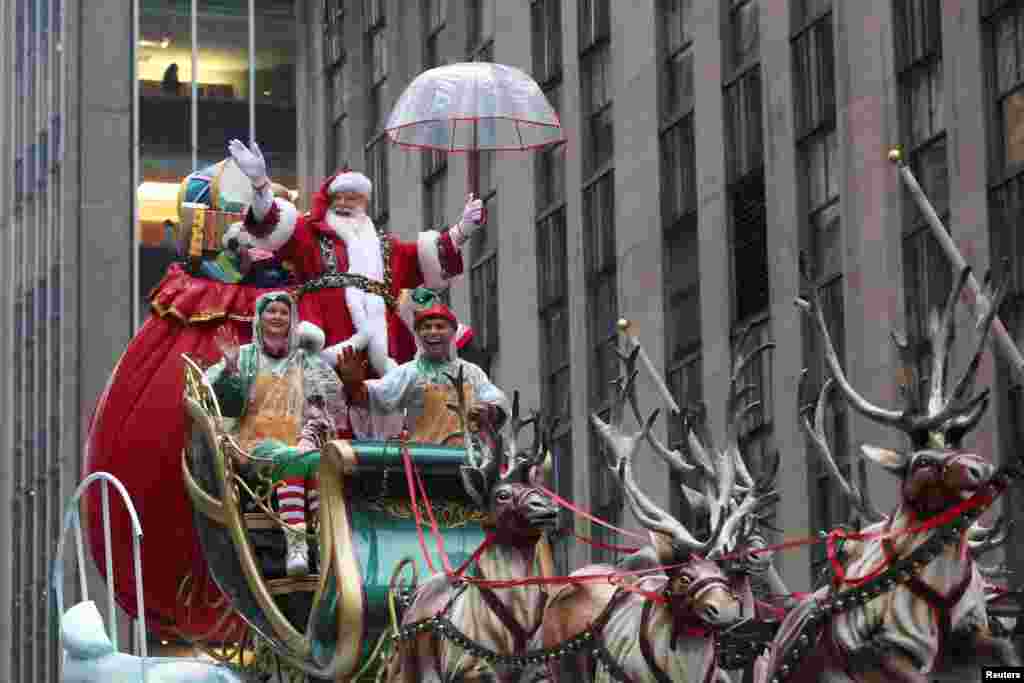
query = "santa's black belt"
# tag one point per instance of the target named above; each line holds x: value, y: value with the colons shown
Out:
x: 343, y: 280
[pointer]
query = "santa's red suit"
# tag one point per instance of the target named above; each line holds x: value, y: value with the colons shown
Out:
x: 345, y: 285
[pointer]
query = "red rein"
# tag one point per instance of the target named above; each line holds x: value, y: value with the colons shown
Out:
x: 415, y: 484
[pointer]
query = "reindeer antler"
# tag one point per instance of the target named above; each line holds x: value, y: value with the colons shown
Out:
x: 671, y: 456
x: 520, y: 461
x: 483, y: 456
x: 818, y: 438
x: 951, y: 414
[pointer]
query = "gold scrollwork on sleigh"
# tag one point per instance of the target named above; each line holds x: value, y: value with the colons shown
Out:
x: 214, y: 487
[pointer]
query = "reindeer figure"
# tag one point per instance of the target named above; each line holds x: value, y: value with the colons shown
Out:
x: 628, y: 636
x: 905, y: 601
x: 457, y: 630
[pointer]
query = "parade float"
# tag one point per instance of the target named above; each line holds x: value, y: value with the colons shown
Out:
x: 430, y: 559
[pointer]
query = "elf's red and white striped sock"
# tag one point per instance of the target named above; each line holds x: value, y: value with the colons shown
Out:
x: 313, y: 496
x: 291, y: 498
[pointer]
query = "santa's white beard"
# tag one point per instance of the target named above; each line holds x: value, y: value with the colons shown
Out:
x: 368, y: 311
x: 357, y: 225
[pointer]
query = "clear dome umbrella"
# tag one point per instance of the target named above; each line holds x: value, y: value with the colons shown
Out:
x: 474, y: 107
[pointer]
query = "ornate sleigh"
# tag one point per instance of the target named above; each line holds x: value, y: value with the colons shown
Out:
x: 327, y: 623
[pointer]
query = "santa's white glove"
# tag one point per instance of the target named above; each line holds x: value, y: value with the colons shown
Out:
x: 472, y: 218
x: 250, y: 161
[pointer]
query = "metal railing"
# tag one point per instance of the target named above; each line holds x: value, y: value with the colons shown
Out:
x: 72, y: 518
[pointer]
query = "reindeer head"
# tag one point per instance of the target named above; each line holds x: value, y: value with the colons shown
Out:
x: 936, y: 472
x: 730, y: 498
x: 503, y: 480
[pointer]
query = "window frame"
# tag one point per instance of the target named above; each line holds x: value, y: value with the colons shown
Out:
x: 742, y: 314
x: 598, y: 149
x: 547, y: 53
x: 483, y: 279
x: 377, y: 168
x: 375, y: 29
x: 598, y: 277
x: 815, y: 88
x: 733, y: 66
x: 668, y: 55
x: 553, y: 255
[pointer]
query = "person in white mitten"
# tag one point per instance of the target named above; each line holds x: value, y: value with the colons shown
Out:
x: 351, y: 273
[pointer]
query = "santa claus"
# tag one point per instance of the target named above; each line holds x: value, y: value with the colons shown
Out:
x: 350, y: 273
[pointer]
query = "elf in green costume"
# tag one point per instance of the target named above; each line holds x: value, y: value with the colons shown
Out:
x: 285, y: 403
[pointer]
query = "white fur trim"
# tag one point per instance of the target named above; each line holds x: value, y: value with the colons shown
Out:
x: 236, y: 231
x: 311, y: 336
x: 430, y: 260
x: 357, y: 341
x: 353, y: 181
x: 282, y: 232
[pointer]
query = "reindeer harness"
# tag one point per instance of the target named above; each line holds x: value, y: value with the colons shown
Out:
x: 902, y: 571
x: 589, y: 640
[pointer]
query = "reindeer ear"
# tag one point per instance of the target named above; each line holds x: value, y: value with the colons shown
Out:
x: 475, y: 484
x: 894, y: 461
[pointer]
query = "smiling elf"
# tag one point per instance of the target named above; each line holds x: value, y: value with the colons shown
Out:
x: 422, y: 387
x: 285, y: 402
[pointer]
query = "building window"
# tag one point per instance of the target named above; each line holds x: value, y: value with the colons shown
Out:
x: 678, y: 171
x: 600, y: 267
x: 743, y: 34
x: 682, y: 290
x: 606, y: 499
x: 479, y: 25
x: 435, y: 187
x: 377, y: 168
x: 334, y: 72
x: 1007, y: 208
x: 927, y: 273
x: 334, y: 31
x: 755, y: 431
x: 676, y: 39
x: 552, y: 287
x: 594, y: 22
x: 377, y: 57
x: 686, y: 383
x: 483, y: 282
x: 1005, y: 37
x: 751, y: 292
x: 682, y: 336
x: 549, y: 164
x: 561, y: 456
x: 165, y: 86
x: 546, y: 27
x: 814, y: 77
x: 435, y: 13
x: 806, y: 11
x: 595, y: 84
x: 744, y: 146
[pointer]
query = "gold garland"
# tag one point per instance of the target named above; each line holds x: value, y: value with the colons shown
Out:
x: 449, y: 514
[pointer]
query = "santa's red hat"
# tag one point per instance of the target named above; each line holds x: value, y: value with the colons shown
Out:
x: 438, y: 310
x: 344, y: 180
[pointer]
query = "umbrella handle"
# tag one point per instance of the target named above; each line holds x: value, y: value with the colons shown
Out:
x: 473, y: 179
